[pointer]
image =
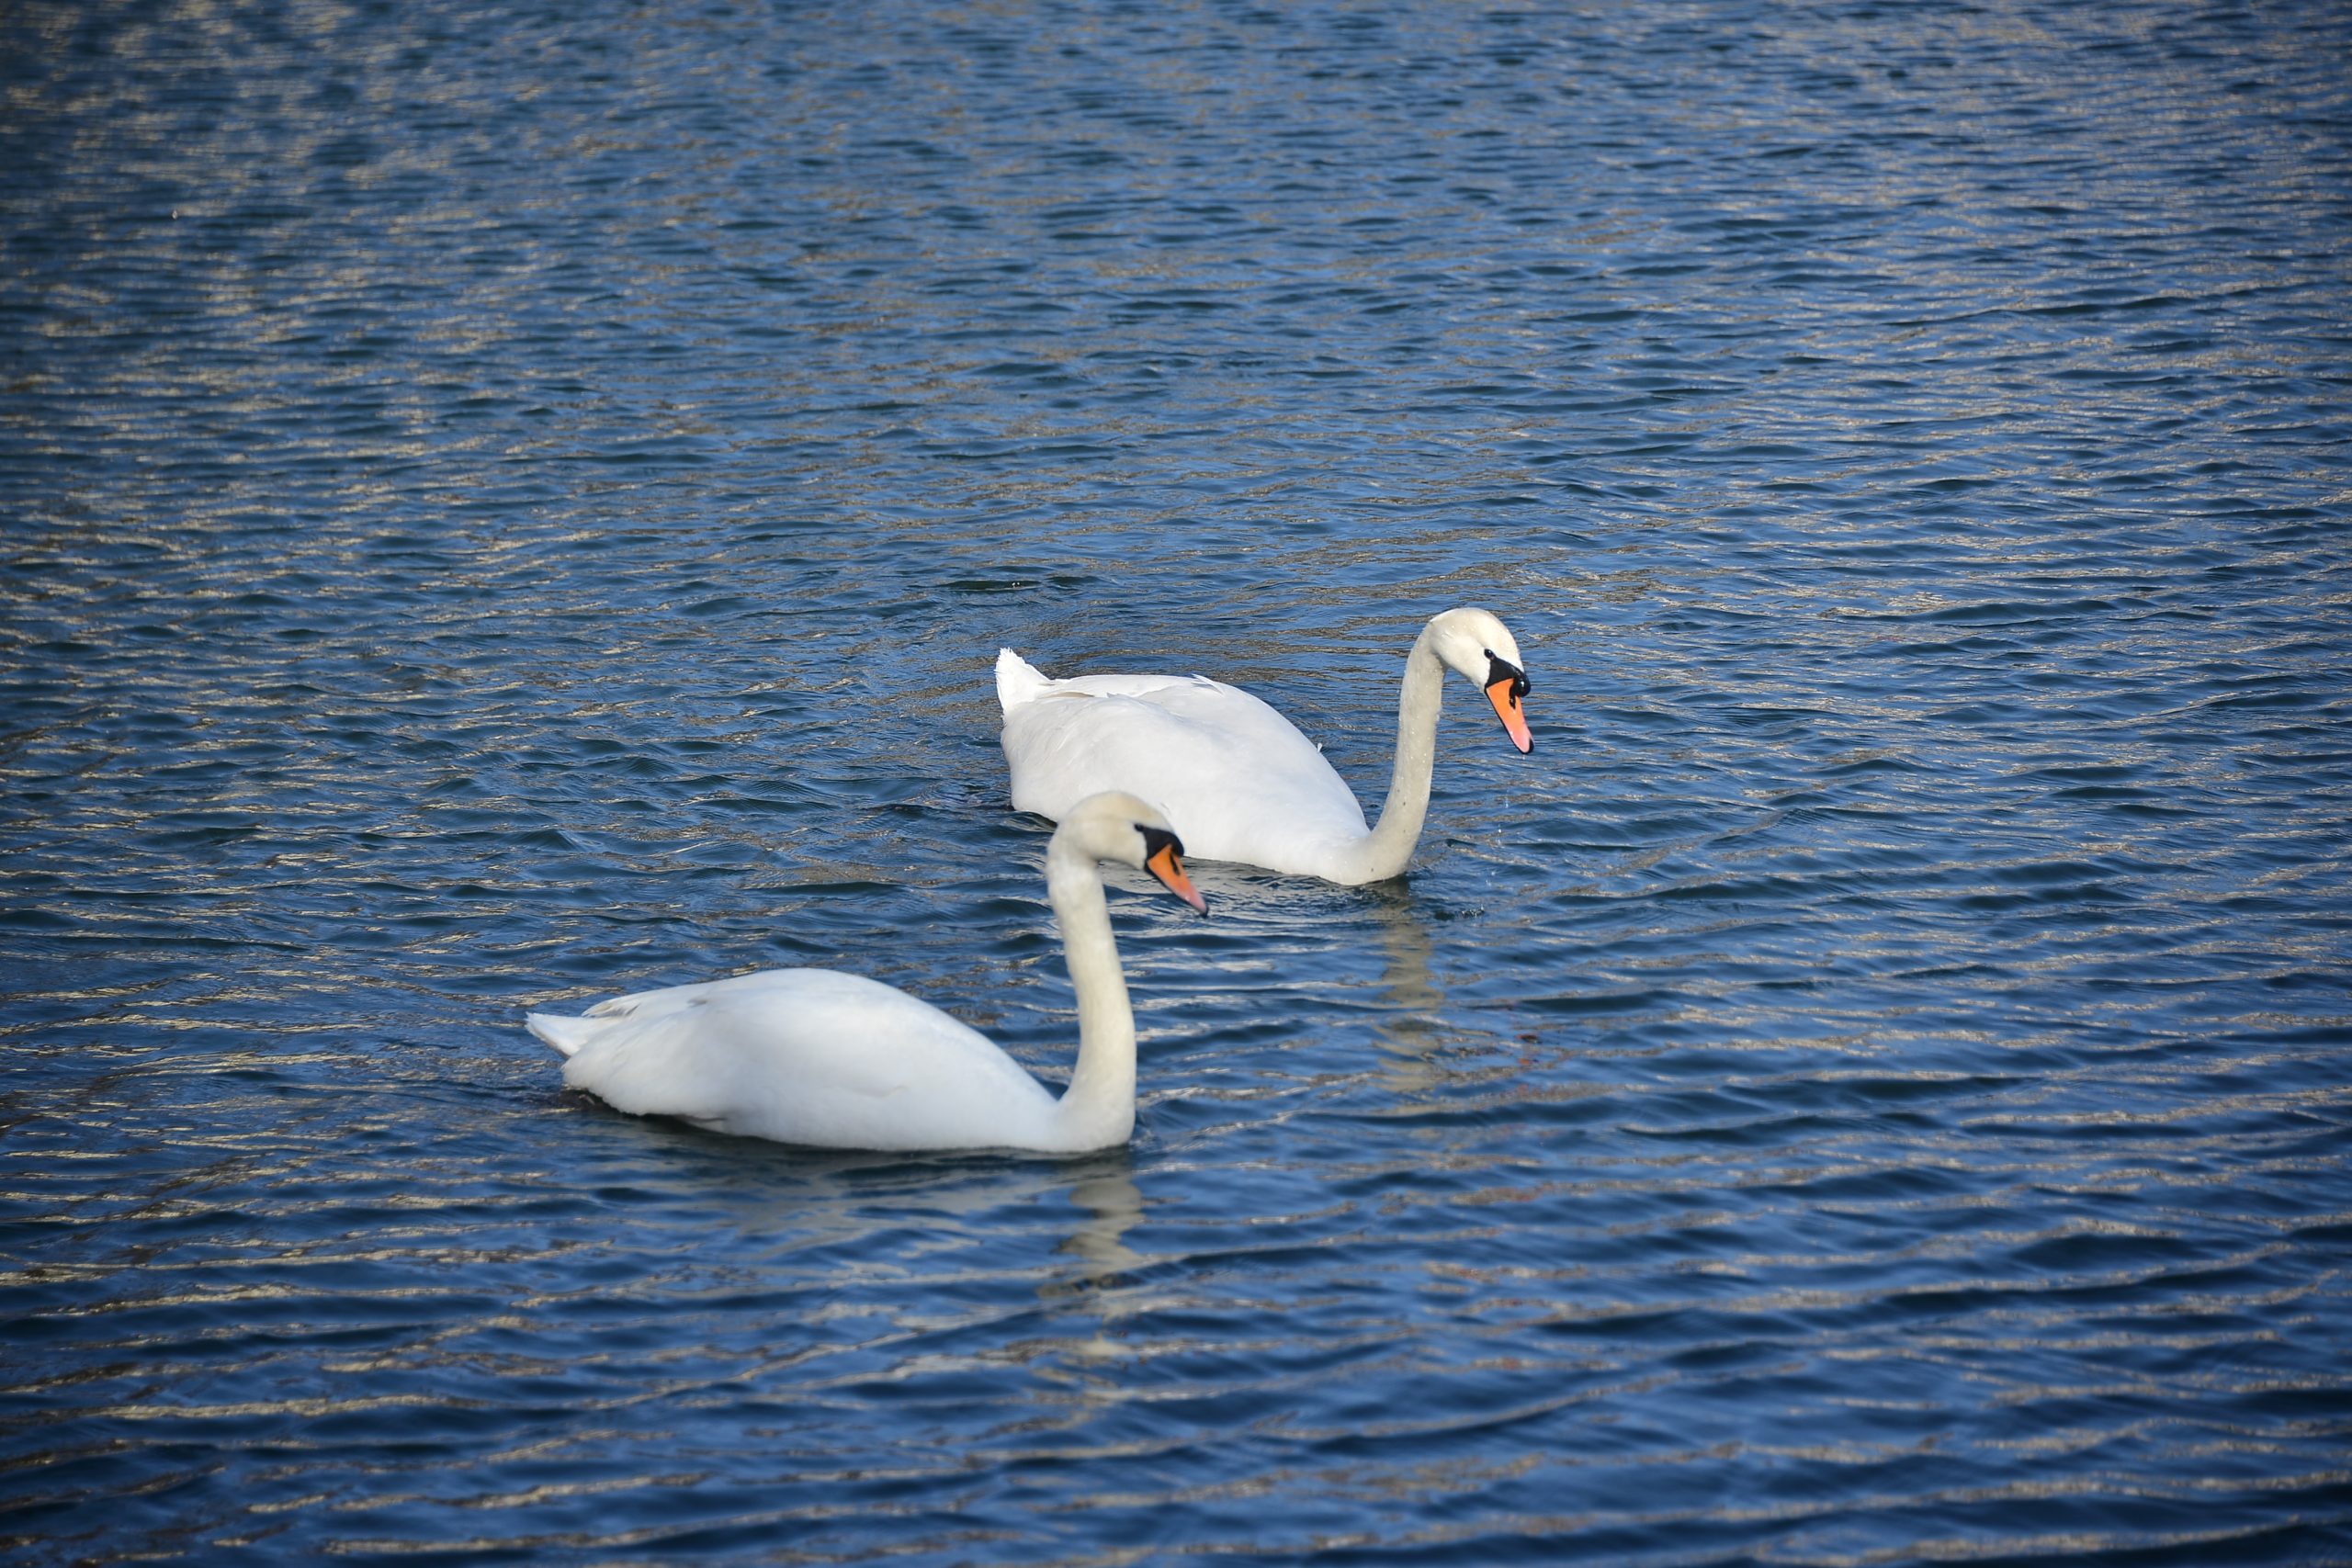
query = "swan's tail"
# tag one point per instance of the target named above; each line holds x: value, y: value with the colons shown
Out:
x: 1017, y: 679
x: 566, y: 1035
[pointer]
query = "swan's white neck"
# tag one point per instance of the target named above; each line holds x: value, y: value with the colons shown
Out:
x: 1098, y: 1108
x: 1384, y: 852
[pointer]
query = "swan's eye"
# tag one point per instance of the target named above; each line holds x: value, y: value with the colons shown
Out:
x: 1157, y: 839
x: 1501, y: 669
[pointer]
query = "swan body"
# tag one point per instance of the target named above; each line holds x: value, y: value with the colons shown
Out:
x: 1247, y: 785
x: 819, y: 1057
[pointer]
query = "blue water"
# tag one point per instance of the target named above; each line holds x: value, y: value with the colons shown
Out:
x: 509, y: 504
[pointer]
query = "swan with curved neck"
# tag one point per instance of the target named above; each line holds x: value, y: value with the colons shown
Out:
x: 1247, y: 785
x: 819, y: 1057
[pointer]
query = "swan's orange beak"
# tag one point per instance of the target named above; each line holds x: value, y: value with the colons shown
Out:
x: 1505, y: 693
x: 1164, y: 866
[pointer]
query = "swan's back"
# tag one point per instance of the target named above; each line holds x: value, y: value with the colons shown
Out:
x: 802, y: 1056
x: 1239, y: 778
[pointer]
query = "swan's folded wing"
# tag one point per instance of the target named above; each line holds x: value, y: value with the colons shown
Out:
x: 801, y: 1055
x: 1235, y: 778
x: 1151, y: 687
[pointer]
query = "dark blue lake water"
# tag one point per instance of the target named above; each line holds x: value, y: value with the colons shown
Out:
x: 509, y: 504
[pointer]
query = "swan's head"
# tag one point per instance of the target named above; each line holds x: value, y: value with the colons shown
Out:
x: 1115, y: 826
x: 1480, y: 647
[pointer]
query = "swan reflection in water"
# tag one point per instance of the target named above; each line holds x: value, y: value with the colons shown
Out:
x: 1095, y: 1282
x: 1411, y: 1037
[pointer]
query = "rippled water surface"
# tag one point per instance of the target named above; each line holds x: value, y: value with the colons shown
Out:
x: 509, y: 504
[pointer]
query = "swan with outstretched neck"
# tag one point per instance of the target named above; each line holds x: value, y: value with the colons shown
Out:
x: 1247, y: 785
x: 819, y: 1057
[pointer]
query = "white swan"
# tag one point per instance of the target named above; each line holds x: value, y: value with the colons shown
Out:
x: 1247, y: 785
x: 816, y: 1056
